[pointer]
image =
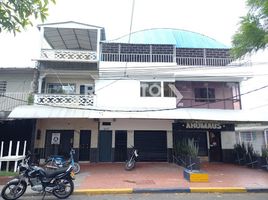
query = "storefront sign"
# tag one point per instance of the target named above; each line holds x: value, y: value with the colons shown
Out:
x: 202, y: 125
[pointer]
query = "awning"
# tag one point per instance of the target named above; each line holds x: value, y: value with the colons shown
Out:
x: 42, y: 112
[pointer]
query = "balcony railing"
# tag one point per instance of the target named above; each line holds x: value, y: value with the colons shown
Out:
x: 182, y: 61
x: 8, y: 101
x: 68, y: 55
x: 68, y: 100
x: 131, y: 57
x: 204, y: 61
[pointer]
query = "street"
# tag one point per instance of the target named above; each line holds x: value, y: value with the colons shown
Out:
x: 171, y: 196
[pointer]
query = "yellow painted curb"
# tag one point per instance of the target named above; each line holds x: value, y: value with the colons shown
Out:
x: 105, y: 191
x: 218, y: 189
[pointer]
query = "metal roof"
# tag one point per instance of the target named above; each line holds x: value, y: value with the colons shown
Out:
x: 179, y: 38
x: 42, y: 112
x: 72, y: 35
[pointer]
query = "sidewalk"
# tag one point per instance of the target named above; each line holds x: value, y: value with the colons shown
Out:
x: 169, y: 177
x: 104, y: 178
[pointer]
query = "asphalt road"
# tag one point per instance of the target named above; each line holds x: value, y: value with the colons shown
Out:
x: 170, y: 196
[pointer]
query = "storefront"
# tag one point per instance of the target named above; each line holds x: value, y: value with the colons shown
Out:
x: 213, y: 138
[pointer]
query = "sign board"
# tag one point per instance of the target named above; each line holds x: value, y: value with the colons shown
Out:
x: 55, y: 138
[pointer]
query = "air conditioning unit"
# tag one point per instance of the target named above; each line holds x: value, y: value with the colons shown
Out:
x: 89, y: 89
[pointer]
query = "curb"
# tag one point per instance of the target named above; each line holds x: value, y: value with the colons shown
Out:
x: 104, y: 191
x: 162, y: 190
x: 172, y: 190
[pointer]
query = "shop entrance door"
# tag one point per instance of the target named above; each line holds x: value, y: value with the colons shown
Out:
x: 105, y: 146
x: 59, y: 142
x: 84, y: 145
x: 215, y: 150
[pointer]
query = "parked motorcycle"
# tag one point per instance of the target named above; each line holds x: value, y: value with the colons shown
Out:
x: 131, y: 162
x: 58, y: 182
x: 58, y: 161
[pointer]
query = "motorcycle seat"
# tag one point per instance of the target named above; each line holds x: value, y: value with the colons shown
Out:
x: 53, y: 173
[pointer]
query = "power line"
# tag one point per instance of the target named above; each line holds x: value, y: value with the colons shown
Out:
x: 130, y: 29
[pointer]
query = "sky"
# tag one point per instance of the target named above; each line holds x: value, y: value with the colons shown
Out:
x: 217, y: 19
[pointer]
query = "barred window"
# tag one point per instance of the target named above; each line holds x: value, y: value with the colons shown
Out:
x: 248, y: 137
x: 3, y: 87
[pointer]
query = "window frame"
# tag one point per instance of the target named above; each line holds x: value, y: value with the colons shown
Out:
x: 48, y: 90
x: 210, y: 95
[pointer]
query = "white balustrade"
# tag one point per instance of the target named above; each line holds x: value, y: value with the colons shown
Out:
x: 70, y: 100
x: 52, y: 54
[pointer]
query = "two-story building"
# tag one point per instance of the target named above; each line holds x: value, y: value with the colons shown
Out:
x: 16, y: 88
x: 149, y: 89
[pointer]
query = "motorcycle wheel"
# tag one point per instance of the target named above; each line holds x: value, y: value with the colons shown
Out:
x: 129, y: 165
x: 13, y: 190
x: 76, y: 168
x: 65, y: 188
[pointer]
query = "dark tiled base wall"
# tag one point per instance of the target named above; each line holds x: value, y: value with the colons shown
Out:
x: 228, y: 156
x: 170, y: 155
x: 94, y: 155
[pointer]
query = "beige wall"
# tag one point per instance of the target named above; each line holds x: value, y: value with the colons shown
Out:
x: 67, y: 124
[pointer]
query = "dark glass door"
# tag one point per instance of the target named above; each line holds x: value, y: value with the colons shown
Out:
x: 120, y: 146
x: 84, y: 145
x: 215, y: 151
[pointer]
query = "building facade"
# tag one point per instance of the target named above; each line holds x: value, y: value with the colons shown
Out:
x: 149, y: 91
x: 16, y: 89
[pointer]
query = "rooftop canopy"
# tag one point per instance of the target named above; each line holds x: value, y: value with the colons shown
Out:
x: 179, y: 38
x: 72, y: 35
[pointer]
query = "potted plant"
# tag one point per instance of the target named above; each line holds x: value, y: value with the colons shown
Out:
x: 251, y: 156
x: 186, y: 154
x: 240, y: 152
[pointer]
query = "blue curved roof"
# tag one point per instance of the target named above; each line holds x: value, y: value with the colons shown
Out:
x: 179, y: 38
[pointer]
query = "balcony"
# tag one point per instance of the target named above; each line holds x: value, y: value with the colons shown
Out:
x: 64, y: 100
x: 69, y: 55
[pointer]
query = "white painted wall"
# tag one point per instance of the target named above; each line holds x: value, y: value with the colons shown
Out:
x: 17, y: 82
x: 137, y: 124
x: 228, y: 139
x: 123, y: 94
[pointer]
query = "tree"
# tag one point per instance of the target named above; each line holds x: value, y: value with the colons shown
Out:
x: 252, y: 34
x: 16, y: 15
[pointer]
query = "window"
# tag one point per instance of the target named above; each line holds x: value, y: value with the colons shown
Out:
x: 168, y: 89
x: 204, y: 94
x: 150, y: 89
x: 3, y: 87
x: 57, y: 88
x: 248, y: 137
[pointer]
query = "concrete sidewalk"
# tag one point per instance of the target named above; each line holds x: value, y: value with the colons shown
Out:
x: 166, y: 177
x: 108, y: 178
